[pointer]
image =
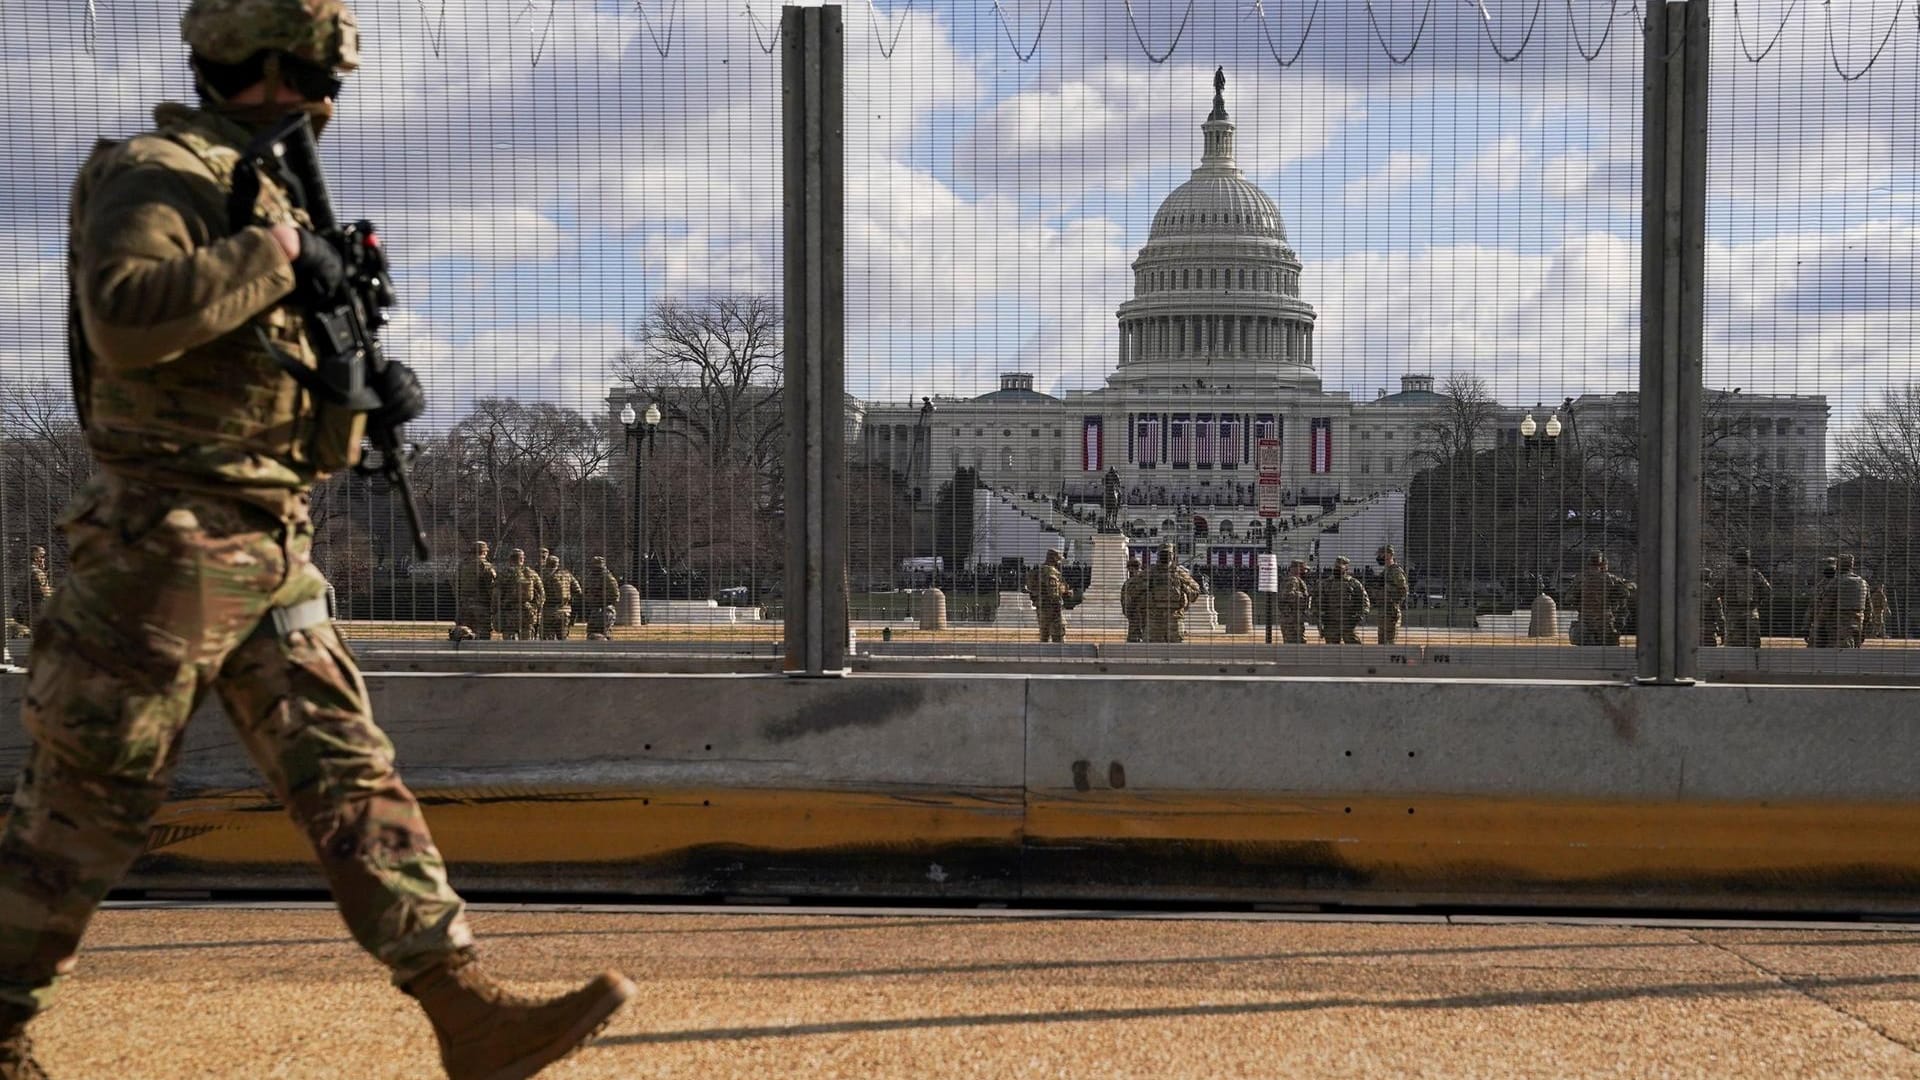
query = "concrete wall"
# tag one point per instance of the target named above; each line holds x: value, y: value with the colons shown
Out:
x: 1285, y: 790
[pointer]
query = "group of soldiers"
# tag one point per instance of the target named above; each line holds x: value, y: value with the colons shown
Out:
x: 521, y: 602
x: 1155, y: 600
x: 1846, y: 610
x: 1341, y: 602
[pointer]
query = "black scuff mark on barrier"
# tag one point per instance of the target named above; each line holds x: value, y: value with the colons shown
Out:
x: 865, y: 707
x: 1082, y: 773
x: 1620, y: 711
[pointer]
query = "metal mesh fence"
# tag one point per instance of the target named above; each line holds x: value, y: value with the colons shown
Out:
x: 1302, y: 280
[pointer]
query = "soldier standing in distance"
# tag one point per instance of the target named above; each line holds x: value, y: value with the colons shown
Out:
x: 1713, y: 611
x: 1849, y: 604
x: 561, y: 587
x: 36, y: 590
x: 1295, y: 602
x: 1130, y: 594
x: 1877, y: 609
x: 1820, y: 618
x: 1343, y: 603
x: 1745, y: 590
x: 1598, y: 593
x: 1393, y: 595
x: 1047, y: 587
x: 522, y: 596
x: 191, y: 566
x: 474, y: 586
x: 601, y: 593
x: 1169, y: 592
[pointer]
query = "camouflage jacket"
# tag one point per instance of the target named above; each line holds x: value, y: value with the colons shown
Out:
x: 1394, y: 585
x: 560, y: 586
x: 600, y: 588
x: 164, y: 300
x: 1344, y: 600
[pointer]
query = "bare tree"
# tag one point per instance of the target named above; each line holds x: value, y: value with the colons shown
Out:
x: 1884, y: 444
x: 1455, y: 432
x: 714, y: 366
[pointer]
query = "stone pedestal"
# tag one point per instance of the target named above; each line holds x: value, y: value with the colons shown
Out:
x: 1240, y: 614
x: 628, y: 611
x: 1015, y: 612
x: 1100, y: 609
x: 932, y: 610
x: 1546, y: 616
x: 1204, y: 617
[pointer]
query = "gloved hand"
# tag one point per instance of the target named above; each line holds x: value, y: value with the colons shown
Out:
x: 318, y: 270
x: 401, y: 399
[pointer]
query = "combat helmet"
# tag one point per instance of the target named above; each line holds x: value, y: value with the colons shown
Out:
x: 1386, y: 552
x: 1053, y: 557
x: 1843, y: 563
x: 321, y: 32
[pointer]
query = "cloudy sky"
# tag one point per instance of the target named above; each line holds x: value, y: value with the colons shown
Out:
x: 546, y: 169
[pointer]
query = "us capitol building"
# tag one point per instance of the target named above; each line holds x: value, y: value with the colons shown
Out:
x: 1216, y: 353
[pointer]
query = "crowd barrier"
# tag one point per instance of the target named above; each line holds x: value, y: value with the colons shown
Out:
x: 1318, y: 790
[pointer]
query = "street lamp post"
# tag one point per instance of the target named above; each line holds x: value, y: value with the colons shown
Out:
x: 640, y: 429
x: 1540, y: 446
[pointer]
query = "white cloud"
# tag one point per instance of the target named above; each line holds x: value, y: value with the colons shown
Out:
x: 1402, y: 168
x: 1497, y: 169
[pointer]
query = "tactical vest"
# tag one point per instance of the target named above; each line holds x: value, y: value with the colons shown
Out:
x: 219, y: 403
x: 1850, y: 592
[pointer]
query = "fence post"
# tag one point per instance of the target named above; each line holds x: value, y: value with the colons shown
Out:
x: 812, y: 132
x: 6, y: 549
x: 1672, y: 320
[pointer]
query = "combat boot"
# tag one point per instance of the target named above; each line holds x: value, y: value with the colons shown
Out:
x: 489, y: 1033
x: 16, y: 1049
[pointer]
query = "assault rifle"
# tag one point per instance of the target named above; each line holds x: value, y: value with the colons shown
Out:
x: 343, y: 331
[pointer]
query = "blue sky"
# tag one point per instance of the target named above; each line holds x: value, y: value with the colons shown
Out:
x: 544, y: 173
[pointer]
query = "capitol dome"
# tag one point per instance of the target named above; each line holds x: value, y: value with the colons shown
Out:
x: 1217, y: 286
x: 1218, y: 203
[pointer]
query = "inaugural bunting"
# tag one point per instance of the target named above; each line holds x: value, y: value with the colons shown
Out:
x: 1322, y: 444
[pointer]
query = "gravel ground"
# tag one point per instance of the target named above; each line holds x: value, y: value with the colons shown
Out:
x: 228, y: 992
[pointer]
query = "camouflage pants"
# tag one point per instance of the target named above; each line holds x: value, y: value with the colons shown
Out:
x: 167, y: 601
x: 1053, y: 624
x: 519, y: 621
x: 1743, y: 630
x: 1389, y: 623
x: 556, y: 623
x: 1338, y: 632
x: 1293, y: 629
x: 1850, y: 630
x: 477, y: 618
x: 598, y: 620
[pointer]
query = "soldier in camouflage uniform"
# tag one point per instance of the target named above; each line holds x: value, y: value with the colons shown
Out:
x: 1047, y: 588
x: 35, y: 590
x: 1877, y: 610
x: 474, y: 587
x: 1343, y: 604
x: 1296, y: 604
x: 190, y: 559
x: 1393, y: 595
x: 1745, y: 591
x: 561, y: 588
x: 601, y: 593
x: 1820, y: 616
x: 522, y: 596
x: 1598, y: 594
x: 1170, y: 590
x: 1713, y: 611
x: 1130, y: 594
x: 1849, y: 604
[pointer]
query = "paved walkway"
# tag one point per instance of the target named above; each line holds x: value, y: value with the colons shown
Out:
x: 195, y: 993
